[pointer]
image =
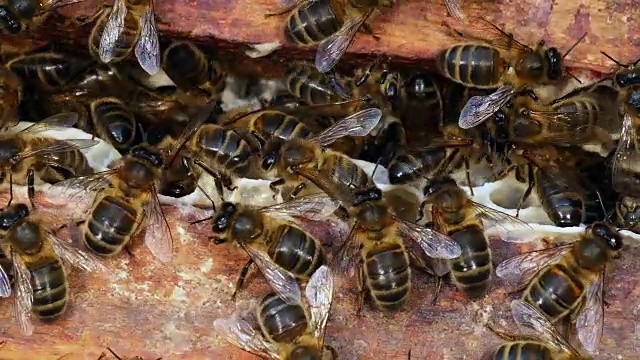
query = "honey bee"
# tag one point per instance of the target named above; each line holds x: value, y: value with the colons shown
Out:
x: 498, y: 61
x: 129, y: 25
x: 10, y: 98
x: 22, y: 15
x: 547, y: 343
x: 114, y: 122
x: 282, y: 250
x: 457, y: 216
x: 566, y: 282
x: 313, y: 87
x: 377, y: 240
x: 48, y: 70
x: 41, y: 283
x: 124, y: 197
x: 189, y: 68
x: 559, y: 186
x: 25, y: 155
x: 297, y: 157
x: 280, y: 329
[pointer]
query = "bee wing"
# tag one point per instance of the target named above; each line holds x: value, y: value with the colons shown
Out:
x: 281, y: 281
x: 81, y: 185
x: 53, y: 122
x: 433, y: 243
x: 358, y: 124
x: 5, y: 284
x: 570, y: 122
x: 23, y: 299
x: 112, y: 30
x: 519, y: 270
x: 148, y: 46
x: 624, y: 158
x: 241, y: 334
x: 491, y: 217
x: 590, y: 320
x: 331, y: 49
x: 480, y: 108
x: 497, y: 37
x: 319, y: 293
x: 529, y: 317
x: 57, y: 146
x: 158, y: 237
x: 347, y: 254
x: 77, y: 257
x: 314, y: 207
x: 454, y: 7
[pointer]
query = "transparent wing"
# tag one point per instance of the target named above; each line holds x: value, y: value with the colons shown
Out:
x: 23, y: 299
x: 281, y: 281
x: 77, y: 257
x: 241, y: 334
x: 86, y: 185
x: 480, y: 108
x: 5, y: 284
x: 314, y: 207
x: 454, y: 7
x: 319, y: 293
x: 528, y: 317
x: 56, y: 146
x: 53, y: 122
x: 519, y: 270
x: 331, y: 49
x: 148, y: 46
x: 112, y: 30
x: 491, y: 217
x: 591, y: 319
x: 487, y: 32
x: 347, y: 254
x: 433, y: 243
x: 358, y: 124
x: 569, y: 126
x: 626, y: 154
x: 158, y: 237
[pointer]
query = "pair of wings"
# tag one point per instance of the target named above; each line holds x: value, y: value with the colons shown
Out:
x: 147, y: 49
x: 23, y: 298
x: 158, y: 237
x: 627, y: 155
x: 529, y: 318
x: 314, y: 207
x: 54, y: 122
x: 241, y: 329
x: 520, y: 270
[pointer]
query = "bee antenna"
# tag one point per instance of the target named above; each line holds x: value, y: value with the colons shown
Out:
x: 574, y: 45
x: 114, y: 354
x: 614, y: 60
x: 573, y: 76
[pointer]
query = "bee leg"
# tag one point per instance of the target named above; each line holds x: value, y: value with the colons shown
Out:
x: 242, y: 277
x: 218, y: 184
x: 274, y: 186
x: 361, y: 291
x: 526, y: 194
x: 467, y: 169
x: 10, y: 188
x: 503, y: 335
x: 421, y: 211
x: 439, y: 281
x: 31, y: 191
x: 296, y: 191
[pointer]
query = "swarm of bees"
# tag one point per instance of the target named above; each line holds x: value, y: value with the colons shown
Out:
x: 306, y: 140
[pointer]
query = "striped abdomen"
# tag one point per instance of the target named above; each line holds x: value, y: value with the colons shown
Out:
x: 522, y: 350
x: 472, y: 65
x: 57, y: 166
x: 271, y: 123
x: 49, y: 69
x: 342, y: 170
x: 387, y: 275
x: 125, y: 42
x: 50, y: 291
x: 557, y: 289
x: 296, y: 251
x: 472, y: 271
x: 111, y: 225
x: 185, y: 64
x: 222, y: 149
x: 281, y: 321
x: 11, y: 95
x: 563, y: 204
x: 309, y: 25
x: 309, y: 85
x: 580, y: 126
x: 405, y: 168
x: 115, y: 123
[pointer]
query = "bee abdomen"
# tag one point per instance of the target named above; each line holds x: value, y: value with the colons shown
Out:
x: 522, y: 351
x: 115, y: 122
x: 281, y: 321
x: 51, y: 69
x: 471, y: 65
x: 562, y: 203
x: 283, y: 126
x: 345, y: 171
x: 224, y: 148
x: 407, y: 168
x: 296, y: 251
x: 49, y: 284
x: 110, y: 227
x: 309, y: 85
x: 388, y: 275
x: 555, y: 291
x: 185, y: 64
x: 472, y: 270
x: 311, y: 24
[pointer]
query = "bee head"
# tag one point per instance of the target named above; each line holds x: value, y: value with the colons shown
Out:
x: 222, y: 219
x: 611, y: 236
x: 433, y: 188
x: 271, y: 154
x: 148, y: 154
x: 553, y: 58
x: 13, y: 214
x: 306, y: 352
